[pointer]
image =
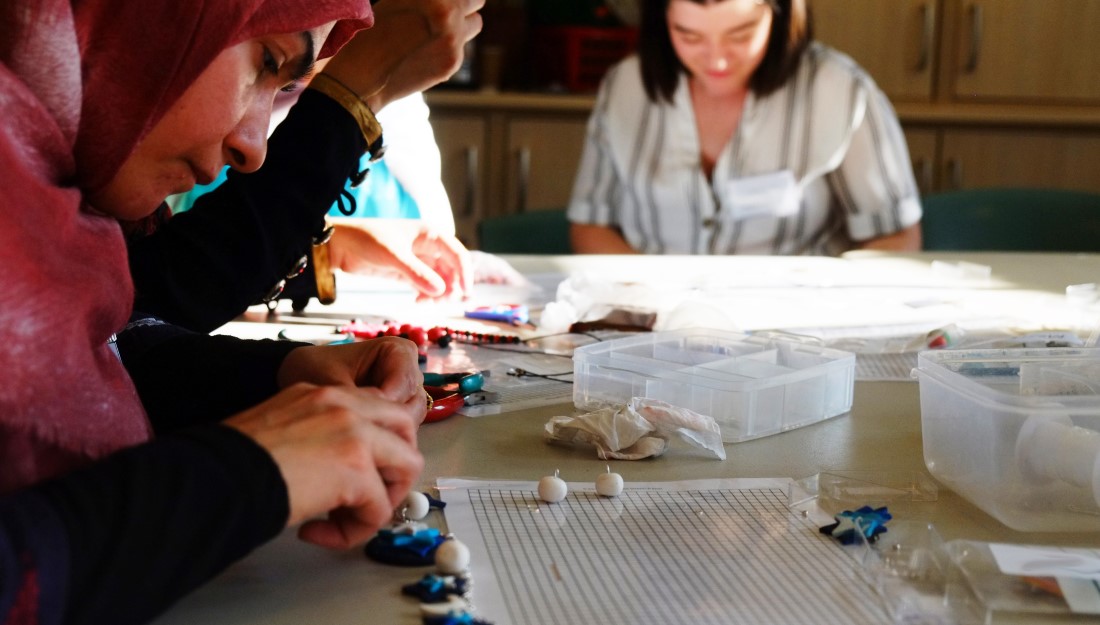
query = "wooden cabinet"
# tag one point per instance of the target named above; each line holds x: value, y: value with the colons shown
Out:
x: 543, y: 153
x: 974, y: 158
x: 985, y: 50
x: 463, y: 151
x: 507, y: 153
x: 1022, y: 50
x: 923, y: 152
x: 991, y: 93
x: 894, y: 40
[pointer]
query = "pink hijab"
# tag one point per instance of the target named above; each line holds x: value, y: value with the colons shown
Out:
x: 81, y: 82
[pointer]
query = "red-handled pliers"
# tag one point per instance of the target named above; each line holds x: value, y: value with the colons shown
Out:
x: 444, y: 403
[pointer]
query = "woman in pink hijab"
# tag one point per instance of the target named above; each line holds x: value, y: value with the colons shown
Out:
x: 107, y: 107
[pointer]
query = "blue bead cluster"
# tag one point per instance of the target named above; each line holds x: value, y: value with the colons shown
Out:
x: 850, y: 525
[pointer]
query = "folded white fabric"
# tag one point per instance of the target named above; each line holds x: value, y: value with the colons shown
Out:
x: 640, y: 429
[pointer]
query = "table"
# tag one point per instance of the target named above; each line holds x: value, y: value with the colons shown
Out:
x: 286, y: 582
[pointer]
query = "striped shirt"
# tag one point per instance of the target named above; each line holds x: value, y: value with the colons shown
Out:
x: 812, y: 167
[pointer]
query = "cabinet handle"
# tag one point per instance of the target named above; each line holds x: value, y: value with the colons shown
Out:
x: 975, y: 38
x: 955, y: 173
x: 923, y: 169
x: 928, y: 28
x: 523, y: 167
x: 470, y: 200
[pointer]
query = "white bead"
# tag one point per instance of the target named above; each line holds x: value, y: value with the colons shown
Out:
x: 452, y: 557
x: 609, y: 484
x: 416, y: 506
x: 552, y: 489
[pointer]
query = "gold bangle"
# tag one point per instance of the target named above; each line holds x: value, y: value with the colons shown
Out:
x: 345, y: 97
x: 322, y: 272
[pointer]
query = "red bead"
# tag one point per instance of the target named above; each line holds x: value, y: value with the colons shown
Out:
x: 435, y: 333
x: 392, y: 331
x: 405, y: 328
x: 418, y: 336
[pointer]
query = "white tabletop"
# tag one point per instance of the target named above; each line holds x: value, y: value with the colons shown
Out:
x: 287, y: 582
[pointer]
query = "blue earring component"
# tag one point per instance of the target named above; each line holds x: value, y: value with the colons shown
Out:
x: 467, y: 382
x: 866, y: 521
x: 455, y: 618
x: 434, y: 588
x: 411, y: 544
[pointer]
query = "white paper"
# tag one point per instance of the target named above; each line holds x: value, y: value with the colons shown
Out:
x: 1076, y: 570
x: 1082, y: 595
x: 1043, y: 561
x: 719, y: 552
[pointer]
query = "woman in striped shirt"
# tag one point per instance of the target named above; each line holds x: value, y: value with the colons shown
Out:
x: 732, y: 132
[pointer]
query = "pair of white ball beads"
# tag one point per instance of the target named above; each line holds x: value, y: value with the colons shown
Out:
x: 452, y: 557
x: 553, y: 489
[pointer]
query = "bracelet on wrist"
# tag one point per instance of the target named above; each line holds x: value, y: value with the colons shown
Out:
x: 352, y: 103
x: 322, y: 273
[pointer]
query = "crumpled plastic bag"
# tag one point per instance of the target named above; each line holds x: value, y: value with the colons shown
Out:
x: 640, y: 429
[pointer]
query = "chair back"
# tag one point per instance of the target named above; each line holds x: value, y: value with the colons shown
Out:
x: 1012, y: 220
x: 534, y: 232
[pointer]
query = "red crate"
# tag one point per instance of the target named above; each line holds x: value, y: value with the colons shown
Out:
x: 577, y: 57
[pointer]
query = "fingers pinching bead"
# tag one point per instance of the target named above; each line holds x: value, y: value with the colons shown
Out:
x: 552, y: 488
x: 609, y: 484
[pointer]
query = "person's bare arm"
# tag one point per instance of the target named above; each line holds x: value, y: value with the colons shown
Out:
x: 589, y: 239
x: 436, y: 264
x: 907, y: 240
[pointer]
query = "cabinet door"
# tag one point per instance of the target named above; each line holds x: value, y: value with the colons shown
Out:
x: 894, y: 40
x: 462, y: 140
x: 922, y: 152
x: 1026, y: 50
x: 1021, y: 158
x: 543, y: 153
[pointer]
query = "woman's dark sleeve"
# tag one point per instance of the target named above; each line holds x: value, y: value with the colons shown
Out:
x: 205, y: 266
x: 121, y: 541
x: 185, y: 378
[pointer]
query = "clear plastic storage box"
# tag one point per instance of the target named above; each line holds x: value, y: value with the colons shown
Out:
x: 752, y: 386
x: 1017, y: 432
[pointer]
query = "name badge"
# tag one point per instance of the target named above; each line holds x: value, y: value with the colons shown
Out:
x: 776, y: 194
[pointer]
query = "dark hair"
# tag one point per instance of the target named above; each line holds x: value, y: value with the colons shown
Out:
x: 792, y: 31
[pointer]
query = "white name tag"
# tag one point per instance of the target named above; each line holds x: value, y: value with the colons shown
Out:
x: 775, y: 194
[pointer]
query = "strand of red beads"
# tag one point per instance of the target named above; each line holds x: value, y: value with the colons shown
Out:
x: 438, y: 335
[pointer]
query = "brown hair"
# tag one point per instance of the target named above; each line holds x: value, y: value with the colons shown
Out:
x: 791, y: 33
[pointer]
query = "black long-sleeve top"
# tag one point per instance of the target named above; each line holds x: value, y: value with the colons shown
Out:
x: 121, y: 540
